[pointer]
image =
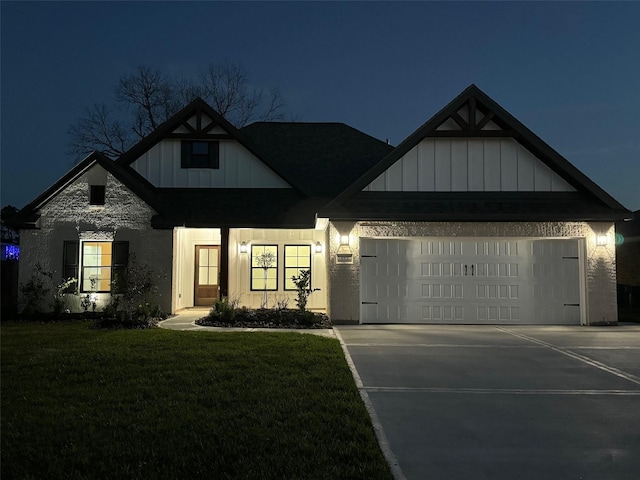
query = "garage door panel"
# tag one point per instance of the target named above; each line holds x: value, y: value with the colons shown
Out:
x: 470, y: 281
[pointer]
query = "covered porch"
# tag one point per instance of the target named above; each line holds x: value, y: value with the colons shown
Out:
x: 211, y: 263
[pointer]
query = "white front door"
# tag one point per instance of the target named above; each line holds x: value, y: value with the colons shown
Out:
x: 452, y: 280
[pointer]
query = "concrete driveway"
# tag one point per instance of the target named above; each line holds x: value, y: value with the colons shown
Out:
x: 502, y: 402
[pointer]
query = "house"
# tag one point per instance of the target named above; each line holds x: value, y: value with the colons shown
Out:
x: 471, y: 219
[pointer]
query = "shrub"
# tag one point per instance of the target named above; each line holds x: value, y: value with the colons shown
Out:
x: 36, y: 290
x: 59, y: 297
x: 222, y: 311
x: 303, y: 288
x: 136, y: 306
x: 266, y: 318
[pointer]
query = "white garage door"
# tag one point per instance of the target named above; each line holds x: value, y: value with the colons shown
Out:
x: 453, y: 280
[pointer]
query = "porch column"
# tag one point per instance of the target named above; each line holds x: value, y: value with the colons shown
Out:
x: 224, y: 262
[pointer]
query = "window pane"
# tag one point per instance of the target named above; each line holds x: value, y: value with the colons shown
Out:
x: 96, y: 266
x: 200, y: 148
x: 288, y: 284
x: 213, y: 257
x: 303, y: 262
x: 262, y: 278
x: 96, y: 194
x: 202, y: 276
x: 297, y: 258
x: 213, y: 275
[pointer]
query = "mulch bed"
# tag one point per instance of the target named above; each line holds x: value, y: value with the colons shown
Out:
x: 269, y: 318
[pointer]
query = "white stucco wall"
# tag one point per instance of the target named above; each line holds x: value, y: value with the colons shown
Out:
x: 124, y: 217
x: 239, y: 265
x: 599, y: 273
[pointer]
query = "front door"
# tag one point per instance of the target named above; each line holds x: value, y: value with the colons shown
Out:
x: 206, y: 275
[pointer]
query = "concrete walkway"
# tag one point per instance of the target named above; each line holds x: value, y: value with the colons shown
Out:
x: 185, y: 320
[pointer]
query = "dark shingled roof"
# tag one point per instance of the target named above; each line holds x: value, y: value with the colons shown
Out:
x: 234, y: 207
x: 322, y: 158
x: 328, y: 165
x: 470, y: 207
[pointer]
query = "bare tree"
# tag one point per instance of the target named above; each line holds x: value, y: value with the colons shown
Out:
x: 148, y: 97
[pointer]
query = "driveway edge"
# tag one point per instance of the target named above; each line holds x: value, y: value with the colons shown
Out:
x: 389, y: 456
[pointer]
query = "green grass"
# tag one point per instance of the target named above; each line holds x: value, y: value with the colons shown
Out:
x: 136, y: 404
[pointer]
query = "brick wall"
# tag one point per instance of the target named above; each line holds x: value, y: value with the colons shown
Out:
x: 599, y: 261
x: 124, y: 217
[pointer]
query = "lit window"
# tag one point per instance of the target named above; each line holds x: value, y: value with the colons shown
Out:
x: 296, y: 259
x: 103, y: 265
x: 200, y: 154
x: 264, y: 267
x: 96, y: 266
x: 96, y: 194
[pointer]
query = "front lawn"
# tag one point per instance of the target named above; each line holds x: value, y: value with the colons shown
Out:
x: 137, y: 404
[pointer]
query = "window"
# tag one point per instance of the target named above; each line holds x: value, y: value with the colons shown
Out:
x: 103, y: 265
x: 96, y: 194
x: 200, y: 154
x: 296, y: 258
x: 264, y: 267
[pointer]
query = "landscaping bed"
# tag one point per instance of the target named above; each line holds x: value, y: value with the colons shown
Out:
x: 266, y: 318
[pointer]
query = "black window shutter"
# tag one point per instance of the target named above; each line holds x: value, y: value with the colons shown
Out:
x: 70, y: 260
x: 214, y: 154
x: 119, y: 262
x: 185, y: 157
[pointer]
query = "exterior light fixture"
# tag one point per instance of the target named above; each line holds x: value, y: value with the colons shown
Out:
x: 602, y: 240
x: 243, y: 247
x: 318, y: 247
x: 344, y: 255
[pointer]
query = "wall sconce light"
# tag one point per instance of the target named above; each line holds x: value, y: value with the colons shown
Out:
x: 602, y: 240
x: 318, y: 247
x: 344, y: 239
x: 243, y: 247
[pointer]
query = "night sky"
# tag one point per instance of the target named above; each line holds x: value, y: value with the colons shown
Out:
x: 569, y: 71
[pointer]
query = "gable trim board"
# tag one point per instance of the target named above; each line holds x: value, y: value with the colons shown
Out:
x: 490, y: 183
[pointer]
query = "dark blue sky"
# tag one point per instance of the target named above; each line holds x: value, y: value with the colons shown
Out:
x: 568, y: 71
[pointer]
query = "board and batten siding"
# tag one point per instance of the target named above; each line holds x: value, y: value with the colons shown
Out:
x: 469, y: 165
x: 239, y: 168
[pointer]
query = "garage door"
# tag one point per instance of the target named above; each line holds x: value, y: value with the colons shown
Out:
x: 453, y: 280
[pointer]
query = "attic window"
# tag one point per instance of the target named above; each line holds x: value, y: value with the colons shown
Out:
x: 200, y: 154
x: 96, y: 194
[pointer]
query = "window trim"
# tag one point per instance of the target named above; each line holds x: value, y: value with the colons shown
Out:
x: 252, y: 268
x: 212, y: 157
x: 285, y: 268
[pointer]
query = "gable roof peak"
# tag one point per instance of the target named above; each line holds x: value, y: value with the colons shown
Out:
x: 474, y: 114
